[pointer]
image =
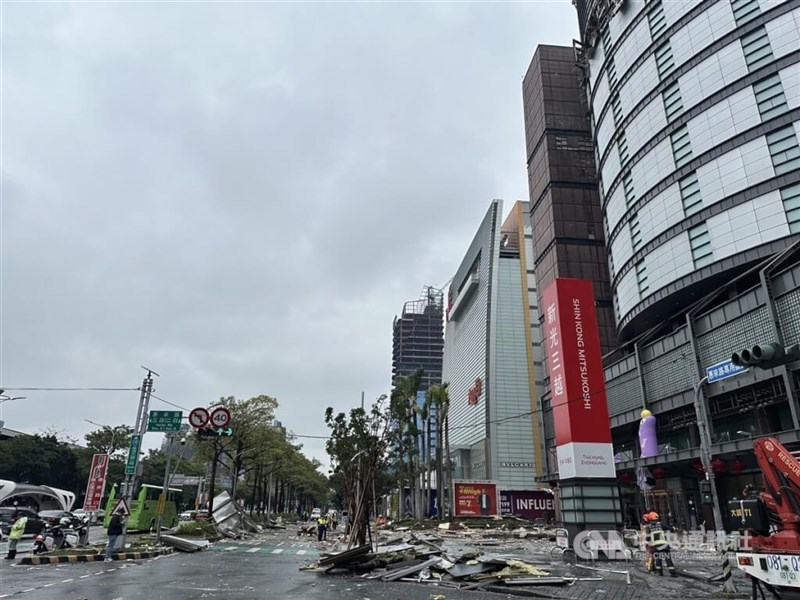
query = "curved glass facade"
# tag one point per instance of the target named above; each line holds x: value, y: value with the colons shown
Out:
x: 696, y: 114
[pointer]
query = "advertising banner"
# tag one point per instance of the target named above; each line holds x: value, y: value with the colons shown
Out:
x: 577, y: 380
x: 475, y: 499
x: 97, y: 481
x: 530, y: 505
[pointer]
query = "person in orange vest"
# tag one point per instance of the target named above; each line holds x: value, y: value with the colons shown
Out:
x: 661, y: 553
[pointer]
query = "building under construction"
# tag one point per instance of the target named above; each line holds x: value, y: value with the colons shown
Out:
x: 418, y: 338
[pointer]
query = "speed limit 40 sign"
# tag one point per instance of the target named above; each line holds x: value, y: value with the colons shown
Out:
x: 220, y: 417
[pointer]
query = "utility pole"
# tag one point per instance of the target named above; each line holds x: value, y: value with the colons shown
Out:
x: 705, y: 452
x: 362, y: 400
x: 131, y: 480
x: 165, y: 490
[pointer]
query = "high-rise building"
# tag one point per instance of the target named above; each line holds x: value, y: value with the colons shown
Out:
x: 696, y: 112
x: 568, y: 238
x: 418, y: 338
x: 492, y: 354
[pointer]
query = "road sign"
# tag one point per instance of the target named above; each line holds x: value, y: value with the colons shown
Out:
x: 723, y: 370
x: 161, y: 500
x: 215, y: 432
x: 97, y: 483
x: 121, y: 508
x: 133, y: 454
x: 165, y: 420
x: 220, y: 417
x: 198, y: 417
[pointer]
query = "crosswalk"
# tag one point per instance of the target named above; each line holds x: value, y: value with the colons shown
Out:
x: 258, y: 547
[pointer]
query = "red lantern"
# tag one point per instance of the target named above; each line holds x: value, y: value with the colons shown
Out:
x: 737, y: 466
x: 625, y: 477
x: 718, y: 465
x: 659, y: 473
x: 697, y: 465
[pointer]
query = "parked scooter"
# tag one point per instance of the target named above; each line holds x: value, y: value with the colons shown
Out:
x: 58, y: 537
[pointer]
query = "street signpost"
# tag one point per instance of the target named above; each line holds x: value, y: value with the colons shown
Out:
x: 133, y: 454
x: 212, y: 432
x: 121, y: 508
x: 96, y: 484
x: 724, y: 370
x: 165, y: 420
x: 220, y: 417
x: 198, y: 418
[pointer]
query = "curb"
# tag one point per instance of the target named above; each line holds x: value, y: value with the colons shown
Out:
x: 83, y: 558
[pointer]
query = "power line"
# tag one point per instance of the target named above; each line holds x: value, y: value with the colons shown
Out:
x: 152, y: 395
x: 70, y: 389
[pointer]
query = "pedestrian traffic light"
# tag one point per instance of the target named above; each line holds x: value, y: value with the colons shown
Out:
x: 766, y: 356
x: 705, y: 492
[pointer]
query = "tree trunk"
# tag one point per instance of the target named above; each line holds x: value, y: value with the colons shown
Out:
x: 439, y: 466
x: 449, y: 466
x: 428, y: 466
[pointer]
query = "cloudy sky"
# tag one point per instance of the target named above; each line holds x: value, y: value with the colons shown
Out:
x: 242, y: 196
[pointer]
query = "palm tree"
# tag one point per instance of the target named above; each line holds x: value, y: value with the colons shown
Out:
x: 438, y: 396
x: 404, y: 410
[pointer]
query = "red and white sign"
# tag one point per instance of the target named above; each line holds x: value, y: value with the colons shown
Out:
x: 474, y: 393
x: 475, y: 499
x: 220, y: 417
x: 97, y: 481
x: 198, y: 418
x: 577, y: 380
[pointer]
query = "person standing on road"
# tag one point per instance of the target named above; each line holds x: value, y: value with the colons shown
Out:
x: 114, y: 531
x: 658, y: 539
x: 322, y: 526
x: 18, y: 522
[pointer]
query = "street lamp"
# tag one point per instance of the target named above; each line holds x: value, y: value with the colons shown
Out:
x: 113, y: 434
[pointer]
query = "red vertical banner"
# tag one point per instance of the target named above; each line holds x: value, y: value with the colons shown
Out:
x: 97, y: 481
x: 577, y: 380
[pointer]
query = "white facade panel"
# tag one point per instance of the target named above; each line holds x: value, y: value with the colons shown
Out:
x: 797, y: 129
x: 654, y: 166
x: 675, y: 10
x: 634, y: 45
x: 723, y: 121
x: 712, y: 24
x: 645, y: 125
x: 623, y: 19
x: 605, y: 129
x: 784, y: 33
x: 748, y: 225
x: 601, y: 98
x: 621, y: 249
x: 790, y: 78
x: 670, y: 261
x: 616, y: 207
x: 627, y: 293
x: 661, y: 213
x: 641, y: 83
x: 610, y: 168
x: 596, y: 63
x: 711, y: 75
x: 734, y: 171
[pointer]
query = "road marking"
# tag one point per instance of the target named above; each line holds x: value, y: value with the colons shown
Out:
x: 280, y: 543
x: 231, y: 548
x: 251, y: 550
x: 277, y: 551
x: 302, y: 551
x: 48, y: 584
x: 67, y: 580
x: 28, y: 590
x: 85, y: 576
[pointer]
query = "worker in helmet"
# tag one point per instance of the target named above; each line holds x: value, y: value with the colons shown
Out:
x: 657, y: 539
x: 649, y: 559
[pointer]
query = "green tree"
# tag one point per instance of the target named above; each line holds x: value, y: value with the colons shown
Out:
x: 438, y: 398
x: 406, y: 441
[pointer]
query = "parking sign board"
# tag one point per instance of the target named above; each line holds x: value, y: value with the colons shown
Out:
x: 723, y: 370
x: 97, y: 481
x: 164, y: 420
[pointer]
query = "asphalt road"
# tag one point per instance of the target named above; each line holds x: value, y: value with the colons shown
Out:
x: 268, y: 567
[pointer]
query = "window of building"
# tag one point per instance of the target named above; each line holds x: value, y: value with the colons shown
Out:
x: 622, y: 146
x: 681, y: 146
x: 664, y: 61
x: 770, y: 97
x: 690, y: 194
x: 757, y: 51
x: 784, y: 150
x: 636, y: 234
x: 744, y: 11
x: 655, y: 18
x: 791, y: 204
x: 627, y: 186
x: 605, y: 33
x: 641, y: 277
x: 700, y: 242
x: 611, y: 71
x: 616, y: 107
x: 673, y: 103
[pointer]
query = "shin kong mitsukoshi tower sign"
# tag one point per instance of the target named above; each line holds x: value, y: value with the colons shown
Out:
x: 577, y: 385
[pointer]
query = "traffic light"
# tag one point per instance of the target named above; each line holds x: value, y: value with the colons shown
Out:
x: 705, y: 492
x: 766, y: 356
x: 214, y: 432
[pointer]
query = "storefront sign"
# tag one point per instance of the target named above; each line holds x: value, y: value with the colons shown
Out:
x: 577, y: 383
x: 474, y: 393
x: 475, y: 499
x: 517, y: 465
x: 531, y: 505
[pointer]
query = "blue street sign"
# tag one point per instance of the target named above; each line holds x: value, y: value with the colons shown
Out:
x: 133, y: 455
x: 724, y: 370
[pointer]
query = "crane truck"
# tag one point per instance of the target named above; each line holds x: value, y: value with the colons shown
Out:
x: 770, y: 550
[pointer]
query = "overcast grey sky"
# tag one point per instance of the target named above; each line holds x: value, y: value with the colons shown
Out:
x: 242, y: 196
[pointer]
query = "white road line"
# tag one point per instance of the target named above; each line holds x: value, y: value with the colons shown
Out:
x: 67, y: 580
x: 277, y: 551
x: 254, y: 550
x: 85, y: 576
x: 302, y: 551
x: 48, y: 584
x: 280, y: 543
x: 28, y: 590
x: 230, y: 548
x: 5, y: 596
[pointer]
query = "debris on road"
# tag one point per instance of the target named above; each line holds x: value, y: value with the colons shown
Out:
x: 183, y: 544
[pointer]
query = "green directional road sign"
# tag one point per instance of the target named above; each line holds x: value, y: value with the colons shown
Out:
x: 164, y: 420
x: 133, y: 454
x: 215, y: 432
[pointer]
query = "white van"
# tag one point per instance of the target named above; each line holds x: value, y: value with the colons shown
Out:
x: 315, y: 514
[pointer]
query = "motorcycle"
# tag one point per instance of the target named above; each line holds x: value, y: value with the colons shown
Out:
x: 59, y: 536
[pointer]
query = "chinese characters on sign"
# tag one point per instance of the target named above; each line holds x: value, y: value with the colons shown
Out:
x: 723, y: 370
x: 97, y: 481
x: 475, y: 498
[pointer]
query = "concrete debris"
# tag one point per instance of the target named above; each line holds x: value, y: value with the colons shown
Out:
x: 184, y: 545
